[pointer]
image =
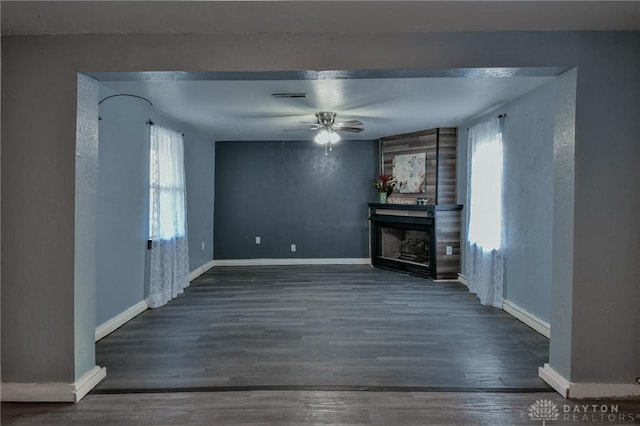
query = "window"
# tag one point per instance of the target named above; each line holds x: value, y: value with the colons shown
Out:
x: 167, y: 201
x: 484, y: 253
x: 485, y: 219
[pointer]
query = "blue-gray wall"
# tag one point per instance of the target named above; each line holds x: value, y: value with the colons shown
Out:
x: 528, y: 196
x: 122, y: 204
x: 291, y: 193
x: 122, y: 220
x: 528, y: 188
x: 199, y: 158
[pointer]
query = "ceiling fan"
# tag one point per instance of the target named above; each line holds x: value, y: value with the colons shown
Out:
x: 327, y: 128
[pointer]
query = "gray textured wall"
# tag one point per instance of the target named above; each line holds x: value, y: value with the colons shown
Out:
x: 291, y: 193
x: 601, y: 293
x: 123, y: 200
x: 564, y: 156
x: 528, y: 196
x: 85, y: 220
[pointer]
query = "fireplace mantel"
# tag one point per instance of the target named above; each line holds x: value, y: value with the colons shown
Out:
x: 413, y: 207
x: 432, y: 234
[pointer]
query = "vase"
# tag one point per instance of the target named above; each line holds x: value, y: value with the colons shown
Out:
x: 383, y: 197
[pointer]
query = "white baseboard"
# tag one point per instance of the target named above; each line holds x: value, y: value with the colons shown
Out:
x: 88, y: 382
x: 603, y: 390
x: 119, y: 320
x: 462, y: 279
x: 201, y: 270
x: 292, y: 261
x: 554, y: 379
x: 53, y: 392
x: 577, y: 390
x: 528, y: 318
x: 38, y: 392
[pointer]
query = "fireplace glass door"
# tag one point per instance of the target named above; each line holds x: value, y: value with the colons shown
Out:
x: 404, y: 245
x: 409, y: 246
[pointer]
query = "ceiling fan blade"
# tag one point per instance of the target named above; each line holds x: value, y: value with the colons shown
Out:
x: 350, y: 123
x: 295, y: 130
x: 314, y: 127
x: 350, y: 129
x: 268, y: 115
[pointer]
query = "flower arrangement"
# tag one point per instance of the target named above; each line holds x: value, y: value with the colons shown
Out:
x: 385, y: 184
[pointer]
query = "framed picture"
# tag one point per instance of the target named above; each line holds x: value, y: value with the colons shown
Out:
x: 410, y: 170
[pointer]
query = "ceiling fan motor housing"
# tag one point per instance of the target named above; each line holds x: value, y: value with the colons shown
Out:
x: 326, y: 118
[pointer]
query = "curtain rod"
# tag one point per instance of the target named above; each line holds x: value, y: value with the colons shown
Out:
x: 125, y: 94
x: 504, y: 115
x: 151, y: 123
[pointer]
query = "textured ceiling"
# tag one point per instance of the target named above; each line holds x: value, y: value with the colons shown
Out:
x: 245, y: 110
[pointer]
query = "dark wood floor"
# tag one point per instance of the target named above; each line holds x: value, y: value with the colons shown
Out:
x: 301, y: 408
x: 295, y: 330
x: 322, y: 327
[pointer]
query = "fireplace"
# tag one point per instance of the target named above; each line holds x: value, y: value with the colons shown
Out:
x: 403, y: 240
x: 406, y: 245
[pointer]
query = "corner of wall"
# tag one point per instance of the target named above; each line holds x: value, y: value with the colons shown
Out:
x: 119, y: 320
x: 579, y: 390
x: 201, y: 270
x: 53, y: 392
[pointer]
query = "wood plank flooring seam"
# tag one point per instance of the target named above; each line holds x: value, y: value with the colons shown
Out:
x: 324, y: 388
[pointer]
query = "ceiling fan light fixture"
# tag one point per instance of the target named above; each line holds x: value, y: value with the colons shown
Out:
x: 322, y: 137
x: 325, y: 136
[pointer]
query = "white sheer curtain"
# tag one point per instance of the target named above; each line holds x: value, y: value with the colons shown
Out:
x: 485, y: 255
x: 169, y: 270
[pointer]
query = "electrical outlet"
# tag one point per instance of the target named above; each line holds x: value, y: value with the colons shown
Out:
x: 203, y: 245
x: 449, y: 250
x: 293, y: 247
x: 257, y: 240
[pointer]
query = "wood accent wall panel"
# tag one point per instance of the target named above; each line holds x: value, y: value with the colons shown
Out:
x: 413, y: 143
x: 447, y: 155
x: 448, y: 227
x: 440, y: 146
